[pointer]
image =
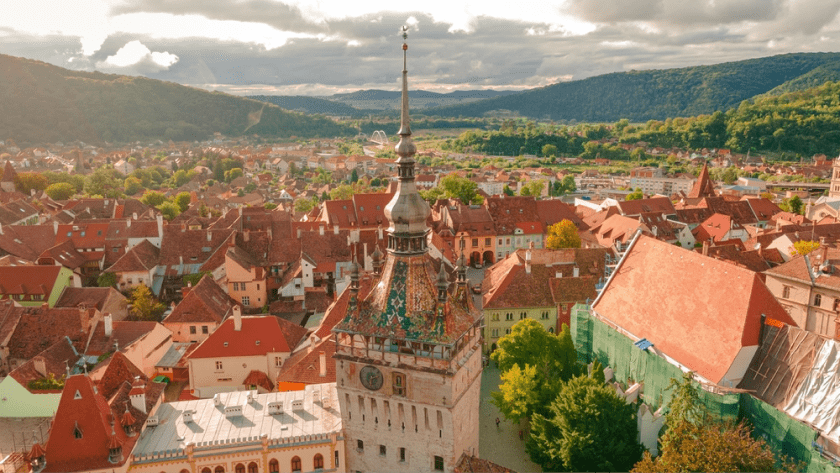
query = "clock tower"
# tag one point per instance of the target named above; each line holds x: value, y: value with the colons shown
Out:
x: 408, y: 351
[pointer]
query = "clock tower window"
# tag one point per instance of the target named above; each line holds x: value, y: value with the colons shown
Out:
x: 399, y: 384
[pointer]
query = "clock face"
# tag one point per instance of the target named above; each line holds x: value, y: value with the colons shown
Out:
x: 371, y: 377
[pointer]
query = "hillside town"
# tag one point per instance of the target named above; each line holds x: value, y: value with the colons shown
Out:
x: 300, y: 309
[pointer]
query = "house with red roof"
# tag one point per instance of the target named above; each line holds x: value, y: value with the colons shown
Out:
x: 202, y: 309
x: 245, y: 352
x: 698, y: 313
x: 718, y: 228
x: 35, y: 285
x: 92, y: 433
x: 539, y: 284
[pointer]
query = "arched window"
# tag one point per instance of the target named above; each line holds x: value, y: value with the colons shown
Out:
x: 219, y: 469
x: 240, y: 468
x: 187, y: 471
x: 398, y: 384
x: 296, y: 464
x: 274, y: 466
x: 318, y: 461
x: 253, y: 468
x: 550, y: 329
x: 205, y: 470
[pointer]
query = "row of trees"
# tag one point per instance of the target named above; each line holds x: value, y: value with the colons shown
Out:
x: 579, y: 423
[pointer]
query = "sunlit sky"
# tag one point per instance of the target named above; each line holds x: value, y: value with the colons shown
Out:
x: 329, y: 46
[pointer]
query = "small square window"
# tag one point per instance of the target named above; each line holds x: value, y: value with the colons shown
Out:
x: 204, y: 329
x: 192, y: 330
x: 382, y: 450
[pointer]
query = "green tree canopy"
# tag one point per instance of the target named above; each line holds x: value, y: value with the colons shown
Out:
x: 132, y: 185
x: 169, y: 210
x: 563, y: 234
x: 533, y: 188
x: 460, y: 188
x: 549, y: 150
x: 153, y: 198
x: 590, y: 428
x: 342, y: 192
x: 518, y: 394
x: 803, y: 247
x: 104, y: 182
x: 144, y: 306
x: 26, y: 182
x: 60, y: 190
x: 182, y: 200
x: 635, y: 195
x: 303, y: 204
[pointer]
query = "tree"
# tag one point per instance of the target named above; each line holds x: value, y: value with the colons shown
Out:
x: 269, y: 206
x: 533, y: 188
x: 460, y: 188
x: 169, y: 210
x: 635, y: 195
x: 103, y: 182
x: 696, y: 442
x: 530, y: 348
x: 106, y: 280
x: 232, y: 174
x: 590, y: 428
x: 182, y: 200
x: 549, y: 150
x: 153, y: 198
x: 563, y: 234
x: 25, y: 182
x: 518, y: 394
x: 132, y: 185
x: 60, y: 191
x: 342, y: 192
x: 304, y: 205
x: 354, y: 175
x: 568, y: 184
x: 144, y: 306
x: 803, y: 247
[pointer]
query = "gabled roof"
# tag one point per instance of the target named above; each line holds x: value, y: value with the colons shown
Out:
x: 28, y: 279
x: 206, y: 302
x: 259, y: 335
x: 57, y: 358
x: 116, y: 370
x: 40, y: 327
x: 633, y: 208
x: 704, y: 187
x: 697, y: 310
x: 552, y: 211
x: 105, y: 299
x: 141, y: 257
x: 123, y: 334
x: 305, y: 365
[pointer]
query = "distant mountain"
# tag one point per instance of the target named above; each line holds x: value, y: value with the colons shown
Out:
x: 42, y: 103
x: 659, y: 94
x: 419, y: 99
x: 301, y: 103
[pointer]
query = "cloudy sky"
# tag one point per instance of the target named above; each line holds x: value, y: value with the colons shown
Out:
x: 320, y: 47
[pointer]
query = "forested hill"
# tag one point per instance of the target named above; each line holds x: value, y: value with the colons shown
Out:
x: 306, y: 104
x: 659, y: 94
x: 42, y: 103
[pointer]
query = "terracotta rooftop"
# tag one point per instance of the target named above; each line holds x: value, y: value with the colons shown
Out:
x: 699, y: 311
x: 259, y: 335
x: 206, y: 302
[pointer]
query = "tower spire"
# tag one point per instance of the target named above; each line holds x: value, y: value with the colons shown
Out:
x: 407, y: 211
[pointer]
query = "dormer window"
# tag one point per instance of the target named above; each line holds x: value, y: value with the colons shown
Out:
x: 115, y: 455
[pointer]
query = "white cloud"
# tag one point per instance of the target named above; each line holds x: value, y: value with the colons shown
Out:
x: 353, y: 43
x: 135, y: 52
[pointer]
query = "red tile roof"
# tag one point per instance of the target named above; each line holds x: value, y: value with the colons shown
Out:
x: 697, y: 310
x: 633, y: 208
x: 206, y: 302
x: 27, y: 280
x: 259, y: 335
x: 305, y: 365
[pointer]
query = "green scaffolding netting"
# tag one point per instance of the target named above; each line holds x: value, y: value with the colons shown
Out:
x: 787, y: 436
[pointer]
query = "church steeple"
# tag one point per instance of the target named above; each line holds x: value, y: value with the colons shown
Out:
x: 704, y: 187
x: 407, y: 211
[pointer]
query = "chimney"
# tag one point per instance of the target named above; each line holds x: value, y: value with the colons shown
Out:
x: 159, y: 219
x: 40, y: 365
x: 706, y: 248
x: 134, y: 215
x: 55, y: 227
x: 186, y: 289
x: 183, y: 227
x: 209, y: 236
x: 379, y: 232
x: 321, y: 229
x: 128, y: 223
x: 1, y: 228
x: 298, y: 232
x: 109, y: 325
x: 246, y: 235
x: 237, y: 318
x: 322, y: 356
x: 335, y: 229
x: 576, y: 272
x: 822, y: 240
x: 528, y: 262
x: 84, y: 318
x: 137, y: 395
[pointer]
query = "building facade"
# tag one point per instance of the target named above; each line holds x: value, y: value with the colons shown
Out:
x: 408, y: 353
